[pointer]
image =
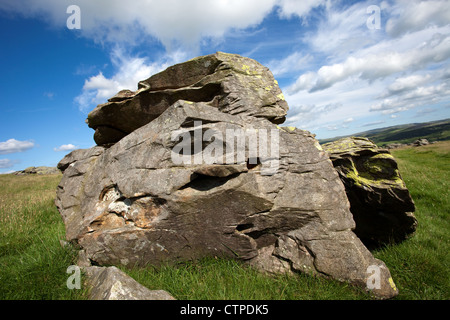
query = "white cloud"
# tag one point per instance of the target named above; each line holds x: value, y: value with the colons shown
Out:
x: 7, y: 163
x: 380, y: 61
x: 66, y: 147
x: 370, y: 72
x: 7, y: 172
x: 129, y: 71
x: 308, y: 113
x: 289, y: 8
x: 13, y: 146
x: 410, y: 16
x: 295, y: 62
x: 342, y: 30
x: 349, y: 120
x: 407, y: 83
x: 413, y: 98
x: 342, y: 69
x: 170, y: 21
x: 332, y: 106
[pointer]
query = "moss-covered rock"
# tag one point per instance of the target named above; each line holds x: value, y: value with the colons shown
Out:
x: 380, y: 201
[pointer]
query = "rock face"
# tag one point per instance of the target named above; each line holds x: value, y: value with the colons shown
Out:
x: 214, y: 178
x: 230, y: 83
x: 379, y: 200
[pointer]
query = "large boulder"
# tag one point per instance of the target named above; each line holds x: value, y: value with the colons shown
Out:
x: 379, y: 199
x: 229, y: 82
x: 200, y: 180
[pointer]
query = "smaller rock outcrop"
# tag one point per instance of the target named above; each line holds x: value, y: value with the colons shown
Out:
x: 379, y: 200
x: 417, y: 143
x: 395, y: 145
x: 38, y: 170
x: 420, y: 142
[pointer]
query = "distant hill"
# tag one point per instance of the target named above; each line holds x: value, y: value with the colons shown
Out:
x: 407, y: 133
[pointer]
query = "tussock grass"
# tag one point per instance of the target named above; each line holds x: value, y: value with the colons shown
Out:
x: 33, y: 264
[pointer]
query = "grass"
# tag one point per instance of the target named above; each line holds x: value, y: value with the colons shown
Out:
x: 222, y: 279
x: 421, y: 265
x: 33, y: 263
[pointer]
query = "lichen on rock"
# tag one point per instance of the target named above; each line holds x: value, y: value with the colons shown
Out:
x: 379, y: 199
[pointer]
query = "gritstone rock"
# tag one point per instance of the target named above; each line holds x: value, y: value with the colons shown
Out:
x: 231, y: 83
x: 420, y: 142
x: 140, y: 199
x: 379, y: 200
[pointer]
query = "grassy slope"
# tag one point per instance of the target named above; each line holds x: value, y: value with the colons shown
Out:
x: 33, y: 264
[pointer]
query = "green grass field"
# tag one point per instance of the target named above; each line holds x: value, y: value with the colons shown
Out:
x: 33, y: 263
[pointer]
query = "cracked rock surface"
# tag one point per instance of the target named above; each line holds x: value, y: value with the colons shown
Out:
x: 135, y: 202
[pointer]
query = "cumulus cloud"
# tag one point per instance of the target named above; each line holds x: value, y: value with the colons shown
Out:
x: 386, y: 72
x: 341, y: 69
x: 66, y: 147
x: 180, y: 26
x: 172, y: 22
x: 129, y: 71
x: 409, y: 99
x: 406, y: 83
x: 14, y: 146
x: 380, y: 61
x: 169, y: 21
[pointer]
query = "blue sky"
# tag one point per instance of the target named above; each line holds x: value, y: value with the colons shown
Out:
x: 344, y: 66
